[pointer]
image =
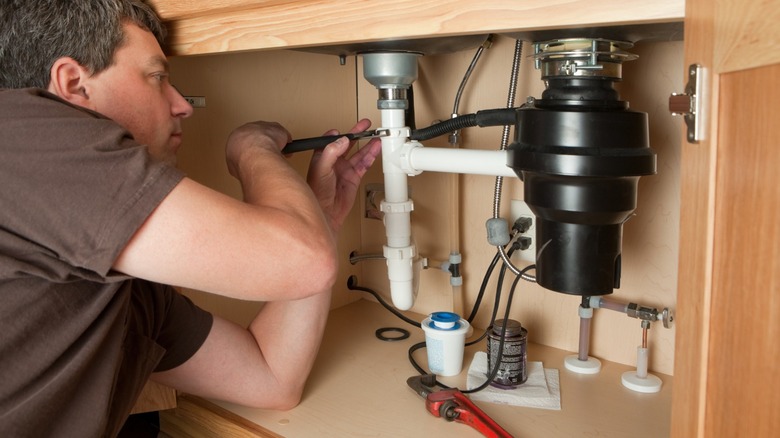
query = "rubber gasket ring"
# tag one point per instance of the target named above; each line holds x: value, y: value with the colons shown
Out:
x: 380, y: 334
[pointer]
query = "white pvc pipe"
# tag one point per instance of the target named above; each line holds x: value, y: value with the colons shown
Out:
x: 641, y: 362
x: 401, y: 158
x: 598, y: 302
x: 468, y: 161
x: 399, y: 252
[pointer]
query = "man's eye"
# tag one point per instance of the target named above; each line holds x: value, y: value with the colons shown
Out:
x: 161, y: 77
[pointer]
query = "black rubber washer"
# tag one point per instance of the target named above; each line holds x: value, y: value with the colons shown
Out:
x: 403, y: 334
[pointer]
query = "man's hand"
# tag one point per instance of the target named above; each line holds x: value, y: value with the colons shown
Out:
x: 335, y: 179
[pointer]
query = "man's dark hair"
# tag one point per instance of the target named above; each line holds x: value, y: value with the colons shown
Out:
x: 35, y: 33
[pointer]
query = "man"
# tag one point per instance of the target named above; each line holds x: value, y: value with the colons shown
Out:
x: 95, y: 219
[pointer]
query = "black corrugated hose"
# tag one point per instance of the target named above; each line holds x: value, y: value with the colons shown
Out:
x: 491, y: 117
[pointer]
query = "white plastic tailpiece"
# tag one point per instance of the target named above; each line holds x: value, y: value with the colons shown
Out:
x: 397, y: 207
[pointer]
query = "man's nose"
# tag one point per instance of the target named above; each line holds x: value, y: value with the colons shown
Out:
x: 179, y: 105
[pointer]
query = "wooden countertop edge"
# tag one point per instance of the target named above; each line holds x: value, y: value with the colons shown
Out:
x: 252, y: 25
x: 199, y: 418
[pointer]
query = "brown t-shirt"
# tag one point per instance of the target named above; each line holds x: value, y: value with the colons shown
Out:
x: 78, y: 340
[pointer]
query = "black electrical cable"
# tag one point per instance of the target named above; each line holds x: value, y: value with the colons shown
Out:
x: 497, y: 301
x: 496, y: 304
x: 497, y: 365
x: 352, y: 285
x: 485, y: 279
x: 482, y: 288
x: 412, y: 349
x: 514, y: 245
x: 499, y: 287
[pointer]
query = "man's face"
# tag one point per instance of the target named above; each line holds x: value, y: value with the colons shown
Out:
x: 136, y: 93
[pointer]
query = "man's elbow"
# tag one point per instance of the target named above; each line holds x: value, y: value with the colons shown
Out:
x: 305, y: 272
x: 285, y: 404
x: 282, y: 400
x: 319, y: 272
x: 329, y: 272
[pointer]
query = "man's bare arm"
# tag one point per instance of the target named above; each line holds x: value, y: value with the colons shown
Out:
x: 268, y: 364
x: 256, y: 249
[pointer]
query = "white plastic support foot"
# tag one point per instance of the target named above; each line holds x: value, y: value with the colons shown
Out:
x: 640, y: 380
x: 648, y: 385
x: 589, y: 366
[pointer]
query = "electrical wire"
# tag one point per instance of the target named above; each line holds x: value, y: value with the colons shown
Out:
x: 352, y: 285
x: 497, y: 365
x: 497, y: 299
x: 482, y: 288
x: 513, y: 246
x: 496, y: 302
x: 488, y: 273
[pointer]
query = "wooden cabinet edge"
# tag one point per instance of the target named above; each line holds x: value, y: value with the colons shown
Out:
x: 198, y: 418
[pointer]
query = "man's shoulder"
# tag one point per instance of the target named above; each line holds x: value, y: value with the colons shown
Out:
x: 37, y: 101
x: 28, y: 94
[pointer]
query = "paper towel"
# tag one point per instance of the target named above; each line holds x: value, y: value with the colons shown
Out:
x: 541, y: 389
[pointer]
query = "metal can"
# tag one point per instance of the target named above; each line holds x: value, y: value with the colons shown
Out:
x: 512, y: 369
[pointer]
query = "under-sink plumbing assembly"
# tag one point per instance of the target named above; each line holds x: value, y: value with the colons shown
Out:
x: 580, y: 152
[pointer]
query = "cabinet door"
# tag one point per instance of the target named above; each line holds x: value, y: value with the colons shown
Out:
x: 728, y: 316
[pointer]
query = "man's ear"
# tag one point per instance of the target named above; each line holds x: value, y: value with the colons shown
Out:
x: 68, y: 80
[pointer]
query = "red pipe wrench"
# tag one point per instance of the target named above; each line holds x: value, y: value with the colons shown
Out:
x: 453, y: 405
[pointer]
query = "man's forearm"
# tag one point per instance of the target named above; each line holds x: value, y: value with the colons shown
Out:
x: 267, y: 180
x: 289, y: 334
x: 271, y: 185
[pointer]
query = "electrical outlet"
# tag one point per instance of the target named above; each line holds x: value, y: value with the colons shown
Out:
x: 523, y: 217
x: 196, y: 101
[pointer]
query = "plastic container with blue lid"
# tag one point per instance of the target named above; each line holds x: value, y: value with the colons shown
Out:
x: 445, y: 339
